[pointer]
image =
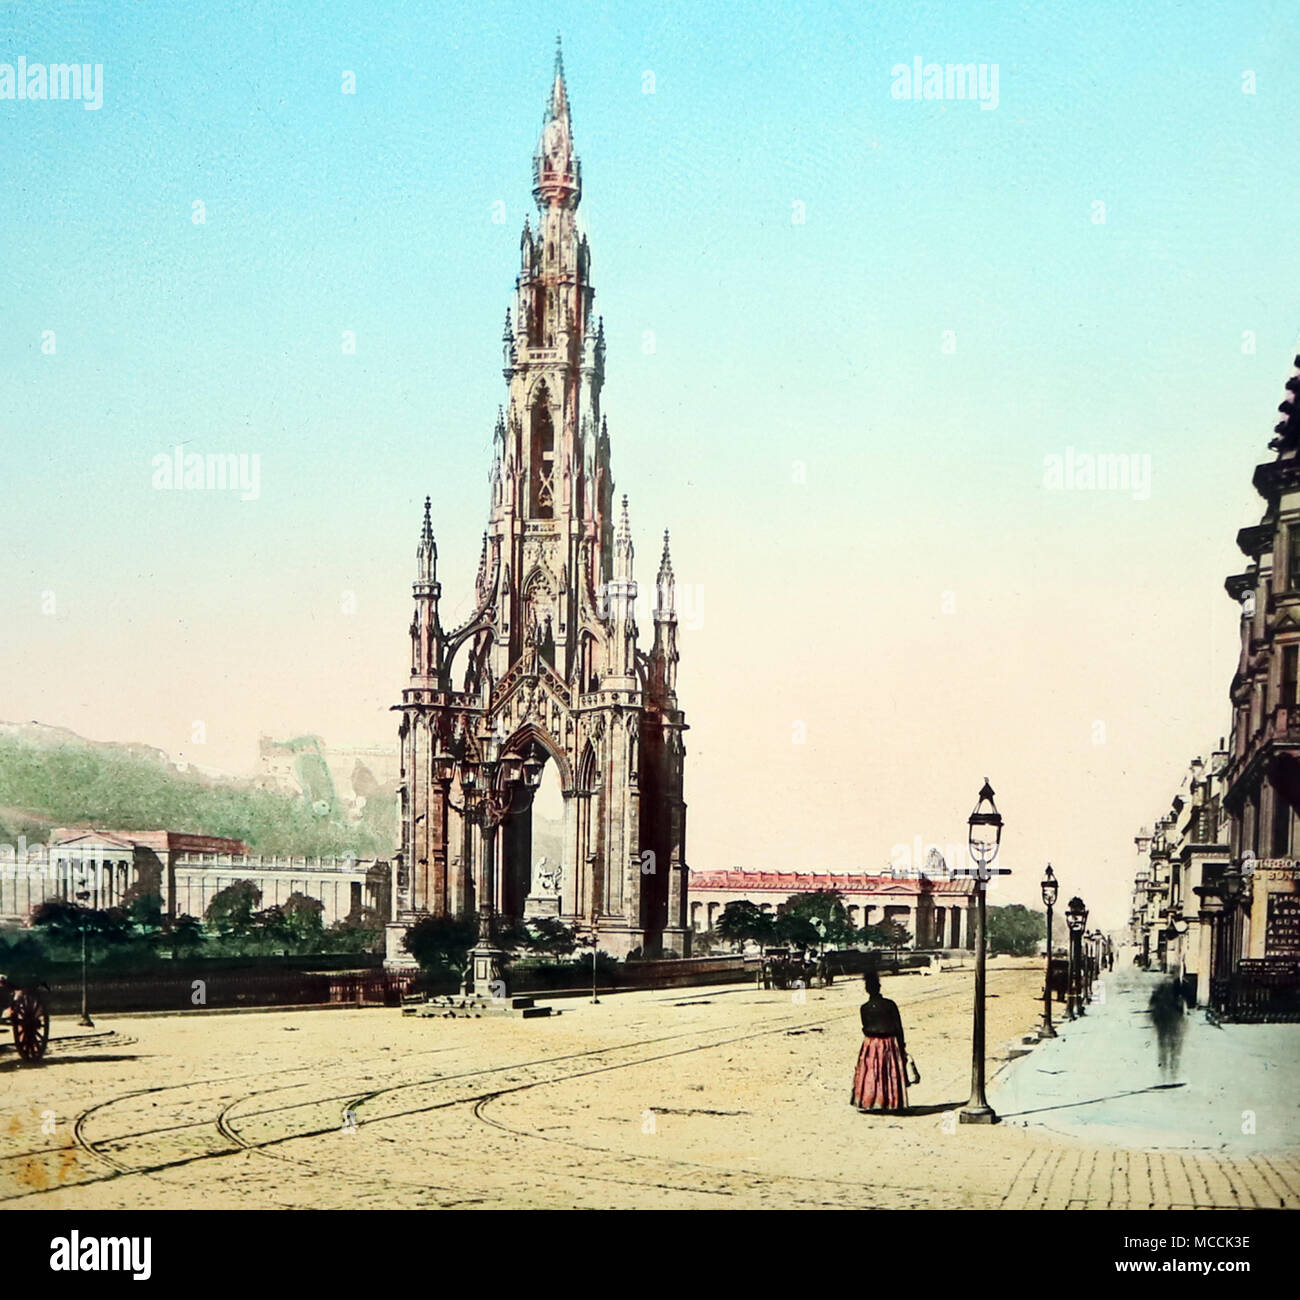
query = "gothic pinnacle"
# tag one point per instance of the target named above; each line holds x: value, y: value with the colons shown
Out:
x: 666, y: 563
x: 623, y: 531
x: 427, y: 552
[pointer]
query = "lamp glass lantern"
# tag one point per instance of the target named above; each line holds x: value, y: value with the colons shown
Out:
x: 985, y: 829
x: 1050, y: 887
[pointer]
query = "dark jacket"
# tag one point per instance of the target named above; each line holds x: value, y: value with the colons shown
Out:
x: 880, y: 1019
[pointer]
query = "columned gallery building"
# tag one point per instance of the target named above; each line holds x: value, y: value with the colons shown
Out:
x: 110, y: 868
x: 937, y: 912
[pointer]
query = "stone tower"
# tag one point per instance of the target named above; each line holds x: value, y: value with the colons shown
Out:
x: 548, y: 669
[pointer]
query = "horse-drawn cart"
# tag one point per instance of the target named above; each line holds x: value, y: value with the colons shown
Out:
x: 25, y: 1011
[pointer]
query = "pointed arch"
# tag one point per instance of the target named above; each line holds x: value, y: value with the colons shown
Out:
x: 520, y: 740
x: 588, y: 768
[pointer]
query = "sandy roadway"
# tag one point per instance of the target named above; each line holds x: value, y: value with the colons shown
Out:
x: 699, y: 1098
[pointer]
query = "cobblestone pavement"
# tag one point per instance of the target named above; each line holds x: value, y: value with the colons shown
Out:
x: 694, y: 1098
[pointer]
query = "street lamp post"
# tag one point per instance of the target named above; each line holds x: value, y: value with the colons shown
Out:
x: 1177, y: 932
x: 1076, y: 917
x: 1234, y: 885
x: 490, y: 785
x: 1050, y: 889
x: 83, y: 897
x: 985, y: 836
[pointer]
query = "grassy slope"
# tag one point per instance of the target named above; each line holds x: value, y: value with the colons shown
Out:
x: 49, y: 780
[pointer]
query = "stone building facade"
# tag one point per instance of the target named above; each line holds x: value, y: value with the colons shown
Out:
x: 186, y: 871
x: 1185, y: 856
x: 548, y: 668
x: 1217, y: 897
x: 1262, y: 794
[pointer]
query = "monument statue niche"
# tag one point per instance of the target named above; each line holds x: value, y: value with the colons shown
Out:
x: 544, y: 897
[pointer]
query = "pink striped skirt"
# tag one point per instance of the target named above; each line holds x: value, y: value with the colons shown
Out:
x: 880, y: 1081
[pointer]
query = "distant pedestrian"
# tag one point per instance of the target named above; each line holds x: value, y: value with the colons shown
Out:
x: 880, y: 1081
x: 1167, y: 1008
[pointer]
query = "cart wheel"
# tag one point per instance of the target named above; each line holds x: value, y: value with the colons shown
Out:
x: 31, y: 1022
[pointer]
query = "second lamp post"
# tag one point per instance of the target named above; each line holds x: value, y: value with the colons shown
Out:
x: 1076, y: 917
x: 1050, y: 889
x: 985, y: 836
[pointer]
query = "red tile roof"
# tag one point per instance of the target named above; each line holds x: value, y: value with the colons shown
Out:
x: 159, y: 841
x: 798, y: 882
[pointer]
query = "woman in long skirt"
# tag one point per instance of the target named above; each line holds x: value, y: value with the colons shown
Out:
x: 880, y: 1081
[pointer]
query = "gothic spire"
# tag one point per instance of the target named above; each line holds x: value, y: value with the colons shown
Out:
x: 557, y: 177
x: 559, y: 92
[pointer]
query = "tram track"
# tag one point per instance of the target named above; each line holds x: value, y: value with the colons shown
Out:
x: 238, y: 1129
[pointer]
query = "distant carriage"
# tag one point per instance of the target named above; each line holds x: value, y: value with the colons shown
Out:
x: 25, y: 1011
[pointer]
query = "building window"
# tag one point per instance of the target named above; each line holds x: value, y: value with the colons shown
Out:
x: 1290, y: 671
x: 1293, y: 557
x: 1281, y: 825
x: 542, y: 468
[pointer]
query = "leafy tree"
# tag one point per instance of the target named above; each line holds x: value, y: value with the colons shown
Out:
x: 186, y: 936
x: 797, y: 930
x: 551, y: 937
x: 1015, y: 930
x: 440, y: 943
x: 304, y: 921
x: 887, y: 934
x: 815, y: 918
x: 145, y: 912
x: 509, y: 932
x: 704, y: 943
x: 61, y: 921
x: 270, y: 931
x: 24, y: 956
x: 359, y: 931
x: 230, y: 914
x: 64, y: 922
x: 742, y: 920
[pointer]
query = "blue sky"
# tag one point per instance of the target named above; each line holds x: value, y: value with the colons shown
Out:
x: 774, y: 342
